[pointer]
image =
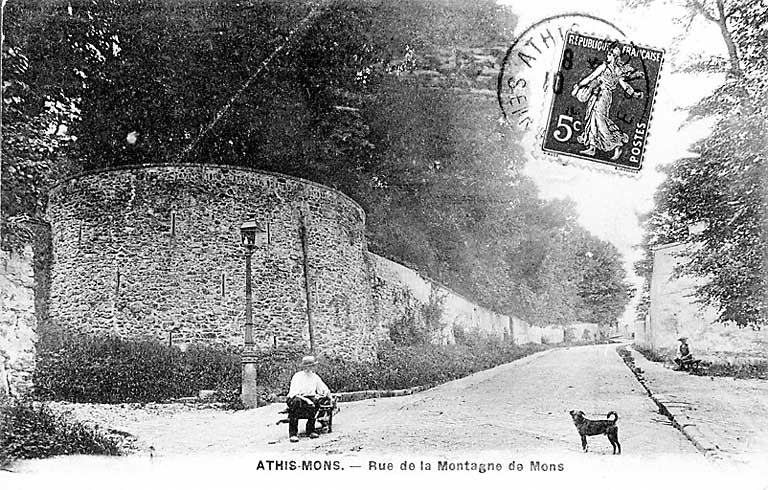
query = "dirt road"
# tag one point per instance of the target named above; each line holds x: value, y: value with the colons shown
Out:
x: 522, y: 405
x: 514, y: 416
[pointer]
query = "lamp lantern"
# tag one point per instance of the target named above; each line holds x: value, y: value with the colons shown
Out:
x: 252, y: 235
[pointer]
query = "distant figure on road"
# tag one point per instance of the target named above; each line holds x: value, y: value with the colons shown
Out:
x: 306, y: 392
x: 684, y: 357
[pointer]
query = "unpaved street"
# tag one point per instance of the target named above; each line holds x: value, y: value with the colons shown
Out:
x: 516, y: 414
x: 522, y: 406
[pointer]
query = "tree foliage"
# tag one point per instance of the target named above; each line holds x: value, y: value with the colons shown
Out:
x: 724, y: 185
x: 35, y: 121
x: 328, y: 92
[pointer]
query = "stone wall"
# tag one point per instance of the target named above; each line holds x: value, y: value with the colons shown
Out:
x: 146, y: 250
x: 525, y: 333
x: 154, y: 251
x: 641, y: 331
x: 18, y: 325
x: 674, y: 313
x: 398, y: 289
x: 553, y: 334
x: 582, y: 331
x: 521, y: 332
x: 535, y: 334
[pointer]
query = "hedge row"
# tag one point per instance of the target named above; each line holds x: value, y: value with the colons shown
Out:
x: 82, y: 368
x: 407, y: 366
x: 111, y: 370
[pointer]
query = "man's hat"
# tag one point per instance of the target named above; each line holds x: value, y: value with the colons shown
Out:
x: 682, y: 339
x: 308, y: 361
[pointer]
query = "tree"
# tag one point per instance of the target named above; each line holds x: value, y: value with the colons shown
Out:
x: 603, y: 289
x: 329, y: 92
x: 36, y: 121
x: 724, y: 186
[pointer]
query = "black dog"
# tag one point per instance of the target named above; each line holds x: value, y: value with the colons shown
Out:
x: 587, y: 427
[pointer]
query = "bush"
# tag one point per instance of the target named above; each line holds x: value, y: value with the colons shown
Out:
x: 28, y: 431
x: 749, y: 369
x: 395, y: 367
x: 651, y: 355
x: 275, y: 367
x: 110, y: 370
x: 398, y: 367
x: 459, y: 334
x: 419, y: 323
x: 209, y: 368
x: 80, y: 368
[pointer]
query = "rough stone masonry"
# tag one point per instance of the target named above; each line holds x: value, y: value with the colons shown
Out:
x: 18, y: 324
x: 146, y: 250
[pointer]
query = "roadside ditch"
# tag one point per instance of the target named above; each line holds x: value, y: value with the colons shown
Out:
x: 629, y: 360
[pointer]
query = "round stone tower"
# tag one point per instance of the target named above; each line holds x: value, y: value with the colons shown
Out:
x: 146, y: 251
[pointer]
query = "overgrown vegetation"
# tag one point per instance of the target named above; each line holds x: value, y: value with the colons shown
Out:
x: 110, y: 370
x: 82, y: 368
x: 400, y: 367
x: 419, y: 323
x: 652, y: 355
x: 395, y: 367
x: 32, y: 430
x: 747, y: 368
x: 722, y: 187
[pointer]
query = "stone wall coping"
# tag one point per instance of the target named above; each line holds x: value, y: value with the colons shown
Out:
x: 478, y: 305
x: 443, y: 286
x: 204, y: 166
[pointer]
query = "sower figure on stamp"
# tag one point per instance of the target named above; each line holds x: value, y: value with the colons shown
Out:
x: 596, y: 89
x: 306, y: 392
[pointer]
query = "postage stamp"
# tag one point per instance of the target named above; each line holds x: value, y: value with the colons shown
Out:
x: 525, y: 79
x: 602, y: 100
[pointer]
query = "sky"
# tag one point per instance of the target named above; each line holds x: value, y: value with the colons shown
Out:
x: 608, y: 202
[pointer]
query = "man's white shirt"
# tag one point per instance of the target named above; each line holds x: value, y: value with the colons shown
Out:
x: 307, y: 383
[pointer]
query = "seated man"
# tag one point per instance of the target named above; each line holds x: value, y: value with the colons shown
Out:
x: 307, y: 389
x: 684, y: 356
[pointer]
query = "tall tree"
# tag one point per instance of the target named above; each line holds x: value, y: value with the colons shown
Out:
x: 38, y: 110
x: 724, y: 186
x: 330, y: 92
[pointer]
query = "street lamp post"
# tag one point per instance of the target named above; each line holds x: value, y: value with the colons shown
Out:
x: 251, y: 236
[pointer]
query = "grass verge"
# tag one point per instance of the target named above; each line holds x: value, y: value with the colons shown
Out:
x: 742, y: 369
x: 32, y: 430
